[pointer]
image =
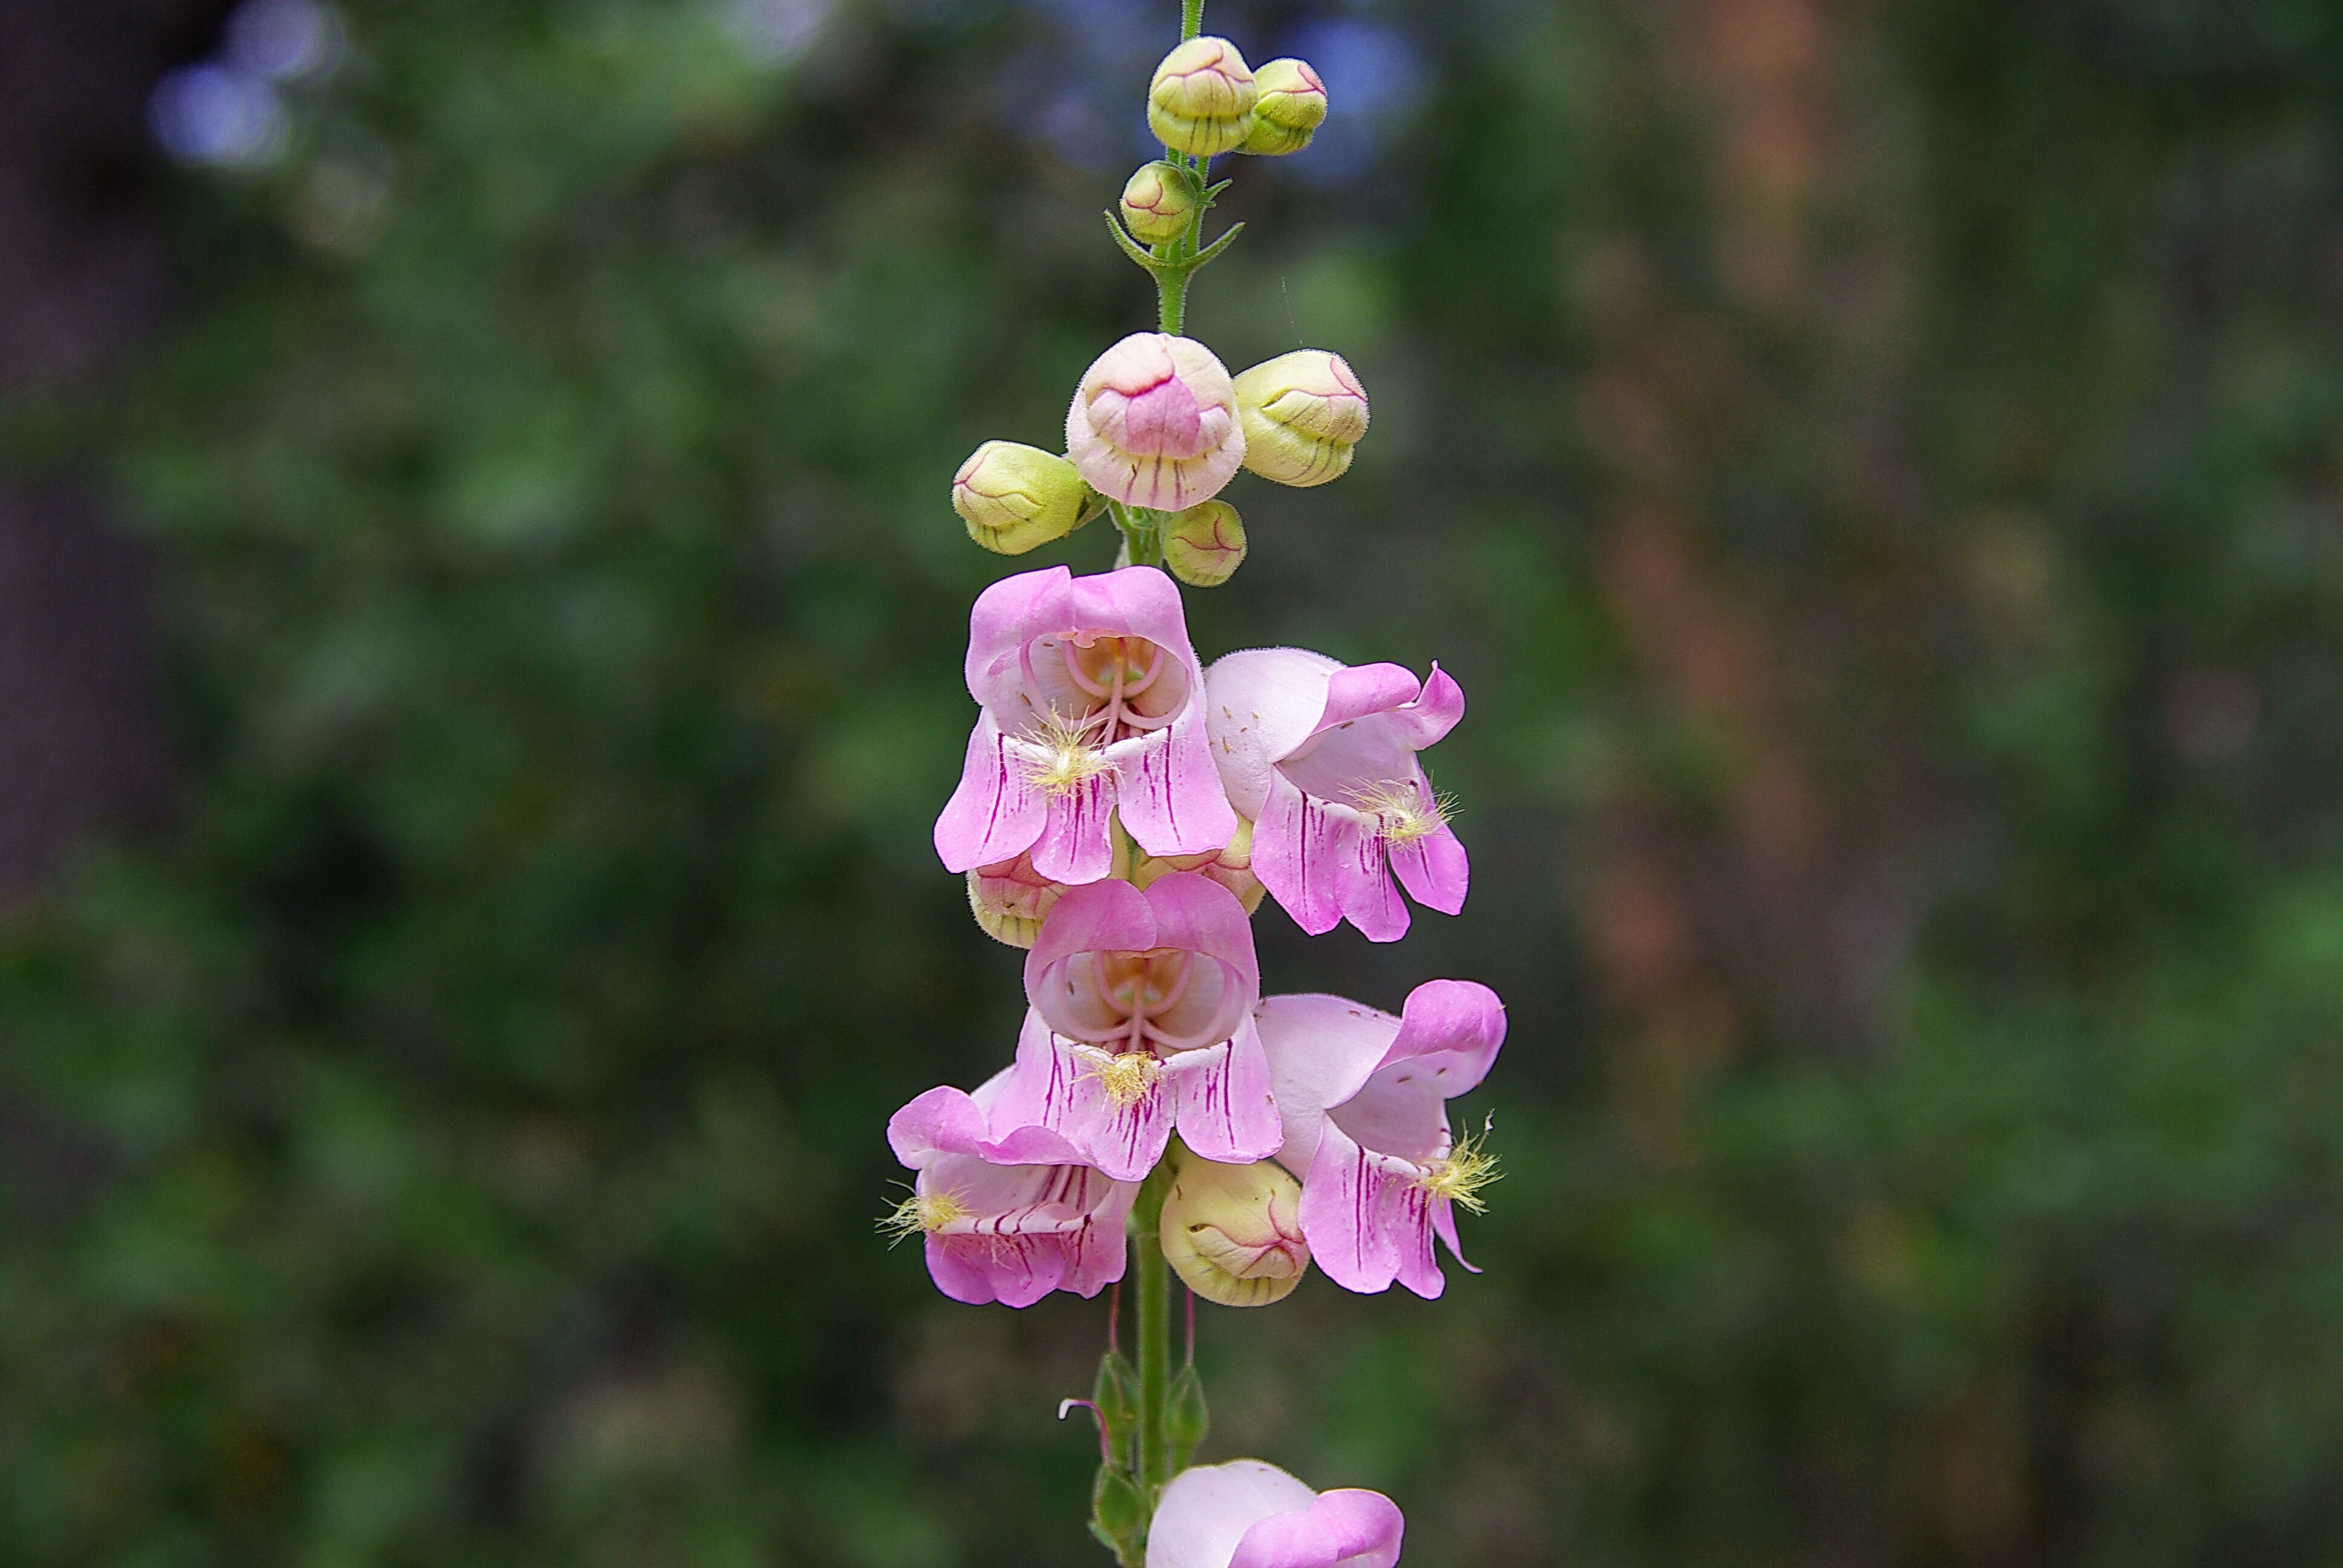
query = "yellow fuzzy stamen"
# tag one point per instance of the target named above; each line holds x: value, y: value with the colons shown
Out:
x: 1399, y: 811
x: 1461, y: 1175
x: 921, y: 1214
x: 1059, y: 757
x: 1126, y: 1078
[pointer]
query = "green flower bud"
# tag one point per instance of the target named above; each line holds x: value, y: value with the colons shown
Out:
x: 1302, y: 414
x: 1233, y: 1233
x: 1202, y: 100
x: 1204, y: 545
x: 1158, y: 203
x: 1015, y: 498
x: 1189, y: 1419
x: 1290, y: 106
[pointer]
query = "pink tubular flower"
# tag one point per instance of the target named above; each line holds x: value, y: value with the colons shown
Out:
x: 1003, y: 1231
x: 1320, y: 756
x: 1092, y: 705
x: 1154, y: 423
x: 1248, y: 1514
x: 1362, y: 1096
x: 1141, y: 1021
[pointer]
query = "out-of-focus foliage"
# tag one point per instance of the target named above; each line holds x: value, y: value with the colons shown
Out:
x: 1874, y: 467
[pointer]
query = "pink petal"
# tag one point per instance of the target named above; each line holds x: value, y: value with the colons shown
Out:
x: 941, y: 1122
x: 1056, y: 1091
x: 1431, y: 716
x: 1009, y: 615
x: 1363, y: 887
x: 1259, y: 703
x: 1100, y: 917
x: 1171, y: 795
x: 1196, y: 913
x: 1343, y: 1215
x: 993, y: 815
x: 1359, y: 690
x: 1453, y: 1029
x: 1434, y: 869
x: 1206, y: 1511
x: 1349, y: 1528
x: 1131, y: 602
x: 1321, y: 1051
x: 1075, y: 844
x: 1222, y: 1100
x: 1298, y: 846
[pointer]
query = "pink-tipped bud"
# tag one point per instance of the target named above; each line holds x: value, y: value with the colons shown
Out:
x: 1015, y: 498
x: 1158, y: 203
x: 1302, y: 412
x: 1201, y: 101
x: 1290, y: 108
x: 1154, y: 423
x: 1204, y: 545
x: 1233, y: 1233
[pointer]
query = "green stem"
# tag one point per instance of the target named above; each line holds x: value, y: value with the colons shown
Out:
x: 1154, y: 1294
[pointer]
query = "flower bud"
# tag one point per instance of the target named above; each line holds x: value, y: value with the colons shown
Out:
x: 1302, y: 412
x: 1015, y: 498
x: 1010, y: 899
x: 1154, y: 423
x: 1231, y: 867
x: 1233, y: 1233
x: 1158, y: 203
x: 1204, y: 545
x: 1290, y: 108
x: 1202, y: 100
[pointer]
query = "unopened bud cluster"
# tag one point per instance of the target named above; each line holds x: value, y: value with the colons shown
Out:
x: 1123, y: 809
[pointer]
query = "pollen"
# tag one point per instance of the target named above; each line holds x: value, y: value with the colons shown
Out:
x: 1461, y: 1173
x: 1058, y: 756
x: 1402, y: 812
x: 921, y: 1213
x: 1129, y: 1077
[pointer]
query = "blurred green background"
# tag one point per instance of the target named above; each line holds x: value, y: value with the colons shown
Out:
x: 1874, y: 467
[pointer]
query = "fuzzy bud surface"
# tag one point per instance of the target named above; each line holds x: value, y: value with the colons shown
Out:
x: 1202, y: 100
x: 1290, y: 106
x: 1158, y: 203
x: 1302, y: 412
x: 1205, y: 544
x: 1154, y: 423
x: 1233, y: 1233
x: 1014, y: 497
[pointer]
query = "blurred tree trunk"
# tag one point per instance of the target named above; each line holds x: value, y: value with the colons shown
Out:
x: 82, y: 277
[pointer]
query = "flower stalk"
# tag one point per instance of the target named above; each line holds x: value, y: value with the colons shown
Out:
x: 1123, y: 811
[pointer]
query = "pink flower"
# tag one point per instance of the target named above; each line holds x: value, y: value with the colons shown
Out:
x: 1154, y: 423
x: 1248, y: 1514
x: 1142, y: 1021
x: 1004, y: 1231
x: 1362, y: 1096
x: 1320, y: 756
x: 1092, y: 705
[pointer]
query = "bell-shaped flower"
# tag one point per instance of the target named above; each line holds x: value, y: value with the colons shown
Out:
x: 1154, y: 423
x: 1249, y: 1514
x: 1321, y: 758
x: 1141, y: 1021
x: 1364, y: 1099
x: 1092, y: 706
x: 1004, y: 1227
x: 1233, y: 1233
